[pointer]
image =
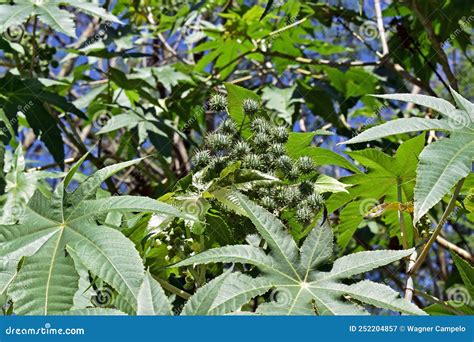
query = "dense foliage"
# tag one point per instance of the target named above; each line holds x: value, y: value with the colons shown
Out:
x: 219, y: 157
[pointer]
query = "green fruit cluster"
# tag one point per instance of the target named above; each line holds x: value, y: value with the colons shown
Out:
x: 263, y: 151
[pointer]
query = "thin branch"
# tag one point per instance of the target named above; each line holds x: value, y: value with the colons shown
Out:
x: 383, y: 37
x: 172, y: 289
x: 438, y: 229
x: 401, y: 218
x: 436, y: 44
x: 451, y: 246
x: 410, y: 288
x: 438, y: 301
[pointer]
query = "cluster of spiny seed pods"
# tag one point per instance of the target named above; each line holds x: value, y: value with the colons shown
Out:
x: 264, y: 151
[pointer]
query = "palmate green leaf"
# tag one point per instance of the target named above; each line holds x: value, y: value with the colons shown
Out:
x: 297, y: 287
x: 50, y: 13
x: 48, y: 280
x: 441, y: 106
x: 399, y: 126
x: 92, y: 312
x: 379, y: 184
x: 466, y: 271
x: 31, y: 98
x: 152, y: 300
x: 443, y: 163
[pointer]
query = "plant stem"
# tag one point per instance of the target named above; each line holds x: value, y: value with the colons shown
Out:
x: 34, y: 45
x: 401, y: 218
x: 444, y: 218
x: 172, y: 289
x: 451, y: 246
x: 410, y: 287
x: 438, y: 301
x: 383, y: 37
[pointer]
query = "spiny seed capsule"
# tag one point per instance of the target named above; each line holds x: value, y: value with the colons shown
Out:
x: 261, y: 140
x: 280, y: 134
x: 289, y: 195
x: 251, y: 107
x: 241, y: 149
x: 315, y: 201
x: 304, y: 214
x: 260, y: 125
x: 268, y: 202
x: 218, y: 163
x: 201, y: 158
x: 229, y: 127
x: 306, y: 188
x: 306, y: 164
x: 284, y: 163
x: 252, y: 161
x: 218, y: 141
x: 218, y: 102
x: 277, y: 150
x: 294, y: 173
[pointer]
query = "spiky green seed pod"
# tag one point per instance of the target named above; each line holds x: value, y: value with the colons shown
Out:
x: 251, y: 107
x: 306, y: 188
x: 260, y: 125
x: 289, y: 195
x: 241, y: 149
x: 306, y: 165
x: 252, y: 161
x: 218, y: 141
x: 218, y: 103
x: 280, y: 134
x: 304, y: 214
x: 284, y: 163
x: 218, y: 163
x: 201, y: 158
x: 268, y: 203
x: 261, y: 140
x: 228, y: 127
x: 276, y: 150
x: 294, y: 173
x: 315, y: 201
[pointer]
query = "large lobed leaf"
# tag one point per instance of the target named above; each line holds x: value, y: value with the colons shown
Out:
x: 298, y: 288
x: 443, y: 163
x: 56, y: 232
